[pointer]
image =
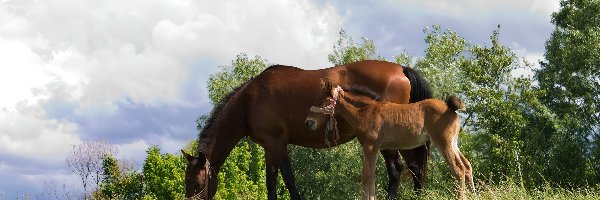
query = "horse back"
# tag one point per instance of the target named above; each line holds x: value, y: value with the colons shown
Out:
x: 383, y: 77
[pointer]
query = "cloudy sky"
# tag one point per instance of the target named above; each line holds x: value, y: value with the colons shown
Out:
x: 133, y: 72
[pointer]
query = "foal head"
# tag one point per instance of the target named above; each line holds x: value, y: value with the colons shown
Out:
x: 320, y: 114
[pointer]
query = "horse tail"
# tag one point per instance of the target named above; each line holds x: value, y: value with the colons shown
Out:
x: 419, y: 88
x: 419, y: 91
x: 454, y: 103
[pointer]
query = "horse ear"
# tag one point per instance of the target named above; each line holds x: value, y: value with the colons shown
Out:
x: 187, y: 156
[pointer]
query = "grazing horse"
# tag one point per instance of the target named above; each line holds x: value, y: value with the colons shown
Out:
x: 270, y: 110
x: 386, y: 125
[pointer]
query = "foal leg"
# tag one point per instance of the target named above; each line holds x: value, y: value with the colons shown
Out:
x: 454, y: 162
x: 288, y: 176
x: 394, y: 169
x: 368, y: 171
x: 468, y: 172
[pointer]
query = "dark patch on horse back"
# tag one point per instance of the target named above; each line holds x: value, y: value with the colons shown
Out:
x: 364, y: 91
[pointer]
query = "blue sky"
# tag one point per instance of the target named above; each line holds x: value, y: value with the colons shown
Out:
x: 133, y: 72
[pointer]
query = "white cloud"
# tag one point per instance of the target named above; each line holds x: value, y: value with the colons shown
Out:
x: 26, y: 134
x: 135, y: 150
x: 485, y: 9
x: 143, y: 50
x: 89, y: 56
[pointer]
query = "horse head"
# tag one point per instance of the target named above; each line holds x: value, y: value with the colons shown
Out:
x: 197, y: 176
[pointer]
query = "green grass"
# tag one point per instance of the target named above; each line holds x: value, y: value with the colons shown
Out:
x: 504, y: 190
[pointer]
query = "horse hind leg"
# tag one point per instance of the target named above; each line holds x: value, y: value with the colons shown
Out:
x: 416, y: 159
x: 394, y: 168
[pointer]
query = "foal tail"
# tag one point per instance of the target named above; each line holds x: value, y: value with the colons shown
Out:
x: 454, y: 103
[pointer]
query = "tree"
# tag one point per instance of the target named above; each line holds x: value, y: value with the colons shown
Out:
x: 503, y: 111
x: 163, y: 175
x: 570, y: 77
x: 85, y: 161
x: 121, y: 180
x: 56, y: 191
x: 443, y: 57
x: 232, y: 76
x: 345, y: 50
x: 498, y: 131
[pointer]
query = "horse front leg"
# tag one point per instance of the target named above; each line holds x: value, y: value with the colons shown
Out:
x: 368, y: 171
x: 271, y: 175
x: 394, y: 169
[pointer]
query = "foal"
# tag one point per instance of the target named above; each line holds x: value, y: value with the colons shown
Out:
x: 385, y: 125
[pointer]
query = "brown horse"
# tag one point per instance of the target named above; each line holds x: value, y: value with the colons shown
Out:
x: 270, y: 110
x: 386, y: 125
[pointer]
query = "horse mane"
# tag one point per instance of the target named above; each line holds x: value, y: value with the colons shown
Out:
x: 273, y: 67
x: 204, y: 135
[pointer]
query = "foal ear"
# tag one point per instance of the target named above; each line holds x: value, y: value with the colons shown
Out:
x: 326, y: 85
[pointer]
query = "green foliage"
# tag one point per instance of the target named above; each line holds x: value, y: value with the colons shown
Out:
x: 570, y: 77
x: 513, y: 129
x: 119, y: 182
x: 443, y: 57
x: 243, y: 173
x: 404, y: 59
x: 345, y: 50
x: 333, y: 173
x: 163, y: 175
x: 489, y: 84
x: 232, y: 76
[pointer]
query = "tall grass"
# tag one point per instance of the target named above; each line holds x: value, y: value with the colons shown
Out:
x: 504, y: 190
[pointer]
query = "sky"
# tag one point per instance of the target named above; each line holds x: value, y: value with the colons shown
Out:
x: 133, y: 72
